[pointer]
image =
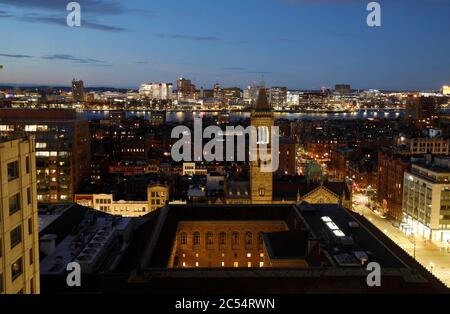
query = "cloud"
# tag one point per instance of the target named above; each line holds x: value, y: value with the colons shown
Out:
x: 234, y: 69
x: 99, y: 7
x: 186, y: 37
x: 15, y: 56
x: 71, y: 58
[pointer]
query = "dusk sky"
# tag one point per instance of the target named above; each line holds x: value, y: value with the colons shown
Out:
x: 302, y: 44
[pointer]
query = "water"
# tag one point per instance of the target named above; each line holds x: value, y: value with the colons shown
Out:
x: 182, y: 116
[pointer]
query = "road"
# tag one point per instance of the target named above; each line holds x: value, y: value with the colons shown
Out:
x: 435, y: 259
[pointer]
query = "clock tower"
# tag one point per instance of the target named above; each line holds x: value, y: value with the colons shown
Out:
x: 262, y: 119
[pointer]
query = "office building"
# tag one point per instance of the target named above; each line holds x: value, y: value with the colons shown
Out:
x: 278, y: 96
x: 62, y: 149
x: 19, y: 249
x: 160, y: 91
x: 426, y: 200
x: 420, y: 109
x: 343, y: 89
x: 78, y: 90
x: 185, y: 89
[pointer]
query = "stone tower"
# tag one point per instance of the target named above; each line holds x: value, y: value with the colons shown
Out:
x: 262, y: 118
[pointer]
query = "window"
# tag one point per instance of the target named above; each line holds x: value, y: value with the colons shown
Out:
x: 13, y: 170
x: 16, y: 269
x: 260, y: 238
x: 183, y: 238
x: 16, y: 236
x: 31, y: 257
x: 196, y: 238
x: 222, y: 238
x: 210, y: 238
x: 236, y: 264
x: 248, y: 238
x: 28, y: 196
x: 263, y: 135
x: 32, y: 286
x: 235, y: 238
x: 262, y: 192
x: 30, y: 226
x: 14, y: 204
x: 27, y: 165
x: 249, y: 264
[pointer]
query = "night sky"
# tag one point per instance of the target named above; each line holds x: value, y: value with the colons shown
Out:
x: 302, y: 44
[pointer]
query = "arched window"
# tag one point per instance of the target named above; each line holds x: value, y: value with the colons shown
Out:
x: 209, y: 238
x: 196, y: 238
x: 235, y: 238
x: 222, y: 238
x: 183, y: 238
x: 248, y: 238
x: 263, y: 135
x: 260, y: 238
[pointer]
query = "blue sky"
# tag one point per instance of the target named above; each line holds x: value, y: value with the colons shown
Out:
x: 302, y: 44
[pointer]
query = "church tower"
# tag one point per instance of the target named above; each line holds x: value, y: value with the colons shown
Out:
x: 262, y: 118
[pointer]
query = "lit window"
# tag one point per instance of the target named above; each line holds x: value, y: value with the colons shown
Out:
x: 236, y: 264
x: 196, y: 264
x: 223, y: 264
x: 249, y: 254
x: 261, y: 264
x: 183, y: 238
x: 249, y: 264
x: 184, y: 264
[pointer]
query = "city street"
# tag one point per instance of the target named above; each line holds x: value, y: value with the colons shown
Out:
x: 428, y: 254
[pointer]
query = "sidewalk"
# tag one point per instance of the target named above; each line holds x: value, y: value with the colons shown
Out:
x: 426, y: 253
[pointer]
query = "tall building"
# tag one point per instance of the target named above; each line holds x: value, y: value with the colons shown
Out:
x: 62, y: 149
x: 420, y: 109
x: 446, y: 90
x: 261, y: 183
x: 218, y: 91
x: 232, y: 94
x: 162, y: 91
x: 19, y: 241
x: 278, y: 96
x: 78, y: 90
x: 391, y: 170
x: 250, y: 94
x: 426, y: 200
x: 343, y: 89
x: 185, y: 89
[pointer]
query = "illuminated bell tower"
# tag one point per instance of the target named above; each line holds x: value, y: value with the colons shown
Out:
x: 262, y: 118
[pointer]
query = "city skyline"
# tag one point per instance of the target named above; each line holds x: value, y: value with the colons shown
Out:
x: 287, y: 43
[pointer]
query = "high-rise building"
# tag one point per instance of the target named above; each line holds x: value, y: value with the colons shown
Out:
x: 185, y: 89
x: 78, y: 90
x: 262, y: 118
x: 343, y: 89
x: 250, y: 94
x: 232, y: 94
x: 278, y: 96
x: 420, y: 109
x: 19, y: 240
x: 446, y: 90
x: 426, y: 200
x: 162, y: 91
x: 62, y: 149
x: 218, y: 91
